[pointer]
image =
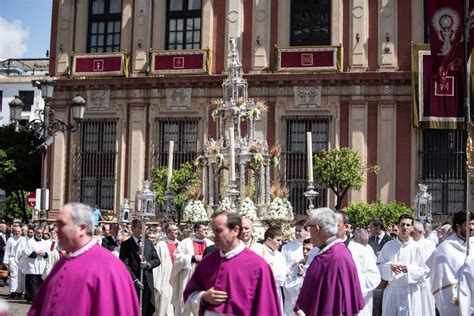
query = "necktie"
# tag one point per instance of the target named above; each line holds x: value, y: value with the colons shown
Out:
x: 379, y: 240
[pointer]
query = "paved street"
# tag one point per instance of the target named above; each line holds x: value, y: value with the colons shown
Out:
x: 16, y: 307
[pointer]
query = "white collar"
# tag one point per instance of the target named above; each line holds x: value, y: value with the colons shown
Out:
x: 85, y: 248
x: 329, y: 246
x: 234, y: 252
x: 381, y: 235
x: 136, y: 239
x: 169, y: 241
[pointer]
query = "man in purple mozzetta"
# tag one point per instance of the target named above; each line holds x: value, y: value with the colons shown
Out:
x: 88, y: 280
x: 233, y: 280
x: 331, y: 285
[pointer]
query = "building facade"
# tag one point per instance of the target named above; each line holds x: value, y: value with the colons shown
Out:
x: 132, y: 60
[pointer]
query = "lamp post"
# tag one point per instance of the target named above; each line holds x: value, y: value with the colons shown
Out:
x: 423, y: 203
x: 46, y: 125
x: 145, y: 209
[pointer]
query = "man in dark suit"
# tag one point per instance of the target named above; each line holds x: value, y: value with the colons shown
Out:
x: 378, y: 236
x: 3, y: 243
x: 110, y: 242
x: 130, y: 254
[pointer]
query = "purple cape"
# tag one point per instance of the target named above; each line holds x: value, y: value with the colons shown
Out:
x: 247, y: 279
x: 93, y: 283
x: 331, y: 285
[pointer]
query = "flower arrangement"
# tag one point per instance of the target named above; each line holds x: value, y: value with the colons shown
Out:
x: 248, y: 209
x: 216, y: 108
x: 280, y: 208
x: 200, y: 162
x: 213, y: 147
x: 253, y: 148
x: 256, y: 111
x: 220, y: 160
x: 194, y: 211
x: 225, y: 205
x: 257, y: 161
x: 275, y: 153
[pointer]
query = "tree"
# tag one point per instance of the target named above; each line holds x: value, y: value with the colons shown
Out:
x: 14, y: 209
x: 340, y: 170
x: 22, y: 149
x: 361, y: 213
x: 182, y: 179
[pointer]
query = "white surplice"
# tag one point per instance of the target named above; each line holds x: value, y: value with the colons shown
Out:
x: 444, y: 265
x: 428, y: 247
x: 466, y: 287
x: 38, y: 264
x: 10, y: 258
x: 367, y: 271
x: 161, y: 278
x: 276, y: 261
x: 292, y: 252
x: 403, y: 295
x: 183, y: 269
x: 293, y: 284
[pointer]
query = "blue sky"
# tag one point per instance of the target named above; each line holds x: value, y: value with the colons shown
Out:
x: 25, y: 28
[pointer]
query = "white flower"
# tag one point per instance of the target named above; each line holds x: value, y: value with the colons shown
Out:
x: 280, y: 209
x: 194, y: 211
x: 225, y: 205
x: 248, y: 209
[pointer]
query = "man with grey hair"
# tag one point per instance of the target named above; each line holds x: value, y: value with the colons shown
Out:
x: 88, y: 280
x: 331, y: 285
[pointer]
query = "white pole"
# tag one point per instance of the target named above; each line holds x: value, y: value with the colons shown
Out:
x: 170, y: 163
x: 309, y: 140
x: 232, y: 154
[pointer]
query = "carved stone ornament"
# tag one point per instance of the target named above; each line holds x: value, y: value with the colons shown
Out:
x: 99, y: 99
x: 307, y: 97
x: 178, y: 98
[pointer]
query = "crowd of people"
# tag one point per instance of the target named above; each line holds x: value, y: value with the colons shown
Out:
x: 327, y: 267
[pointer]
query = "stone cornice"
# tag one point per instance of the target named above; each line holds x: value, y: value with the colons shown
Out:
x: 255, y: 80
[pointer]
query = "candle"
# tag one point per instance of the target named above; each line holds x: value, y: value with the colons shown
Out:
x: 170, y: 163
x: 232, y: 154
x: 309, y: 144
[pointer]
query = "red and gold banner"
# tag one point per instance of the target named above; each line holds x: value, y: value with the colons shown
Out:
x: 180, y: 62
x: 99, y: 65
x: 446, y: 36
x: 318, y: 58
x: 435, y: 104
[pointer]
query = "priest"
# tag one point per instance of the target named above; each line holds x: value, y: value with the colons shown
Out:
x: 445, y: 263
x: 233, y: 280
x: 402, y: 265
x: 88, y: 280
x: 331, y: 285
x: 466, y: 287
x: 187, y: 256
x: 161, y: 274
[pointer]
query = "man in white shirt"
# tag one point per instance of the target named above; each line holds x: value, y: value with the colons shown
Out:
x: 16, y: 288
x: 466, y: 287
x: 445, y: 263
x: 161, y: 274
x: 401, y: 264
x: 187, y: 256
x: 269, y: 251
x: 365, y: 261
x: 428, y: 247
x: 293, y: 251
x: 36, y: 253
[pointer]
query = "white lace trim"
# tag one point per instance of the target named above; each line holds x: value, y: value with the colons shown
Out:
x: 84, y: 249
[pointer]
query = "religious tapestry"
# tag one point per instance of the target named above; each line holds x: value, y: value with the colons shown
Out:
x: 99, y: 65
x: 310, y: 59
x: 172, y: 62
x: 436, y: 103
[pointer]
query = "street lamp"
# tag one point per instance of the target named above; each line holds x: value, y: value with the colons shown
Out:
x: 47, y: 124
x: 16, y: 107
x: 145, y: 209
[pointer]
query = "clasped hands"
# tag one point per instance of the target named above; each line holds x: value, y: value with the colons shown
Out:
x: 398, y: 268
x: 214, y: 297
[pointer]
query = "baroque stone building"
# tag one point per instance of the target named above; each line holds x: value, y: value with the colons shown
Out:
x: 150, y: 68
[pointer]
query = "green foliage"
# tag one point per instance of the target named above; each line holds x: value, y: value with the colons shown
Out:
x: 361, y: 214
x: 340, y: 170
x: 181, y: 180
x: 7, y: 166
x: 14, y: 205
